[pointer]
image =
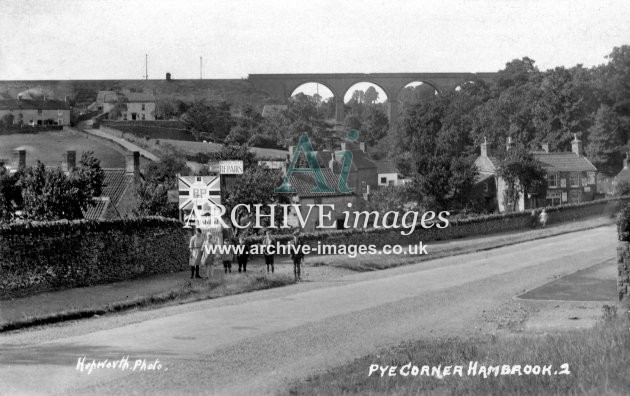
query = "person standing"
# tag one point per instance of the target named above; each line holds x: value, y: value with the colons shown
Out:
x: 226, y: 256
x: 544, y: 217
x: 195, y: 246
x: 208, y: 255
x: 297, y: 254
x: 268, y: 243
x: 243, y: 254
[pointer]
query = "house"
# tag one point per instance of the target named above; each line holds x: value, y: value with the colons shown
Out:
x: 41, y: 112
x: 571, y: 178
x: 489, y: 188
x: 363, y: 175
x: 623, y: 176
x: 303, y: 184
x: 388, y: 174
x: 140, y: 106
x: 106, y: 101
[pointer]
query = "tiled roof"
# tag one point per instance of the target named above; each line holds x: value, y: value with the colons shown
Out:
x: 487, y: 165
x: 114, y: 185
x: 305, y: 182
x: 28, y: 104
x: 97, y: 210
x: 116, y: 180
x: 360, y: 159
x: 565, y: 162
x: 385, y: 166
x: 106, y: 97
x: 140, y: 97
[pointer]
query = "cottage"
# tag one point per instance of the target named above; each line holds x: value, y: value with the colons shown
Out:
x: 42, y: 112
x: 571, y: 178
x: 140, y: 106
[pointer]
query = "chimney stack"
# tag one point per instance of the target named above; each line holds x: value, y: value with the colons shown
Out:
x: 291, y: 151
x: 509, y: 144
x: 19, y: 159
x: 133, y: 163
x: 343, y: 146
x: 362, y: 146
x: 576, y: 145
x: 69, y: 161
x: 545, y: 147
x: 486, y: 148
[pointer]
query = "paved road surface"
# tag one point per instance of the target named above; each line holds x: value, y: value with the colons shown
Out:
x: 256, y: 343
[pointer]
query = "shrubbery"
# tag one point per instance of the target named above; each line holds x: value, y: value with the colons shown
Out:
x: 623, y: 224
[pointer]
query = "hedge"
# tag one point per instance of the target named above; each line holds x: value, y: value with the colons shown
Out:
x: 36, y: 257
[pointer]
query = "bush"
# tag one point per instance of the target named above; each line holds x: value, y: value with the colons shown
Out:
x: 623, y: 224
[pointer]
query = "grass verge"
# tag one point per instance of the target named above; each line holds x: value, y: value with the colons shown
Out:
x: 597, y: 358
x: 189, y: 291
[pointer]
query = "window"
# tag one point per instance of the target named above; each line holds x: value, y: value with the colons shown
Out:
x: 125, y: 116
x: 143, y: 115
x: 143, y: 109
x: 39, y: 111
x: 383, y: 180
x: 574, y: 178
x: 552, y: 180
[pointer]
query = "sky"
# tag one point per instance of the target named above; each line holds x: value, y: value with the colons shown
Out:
x: 85, y: 39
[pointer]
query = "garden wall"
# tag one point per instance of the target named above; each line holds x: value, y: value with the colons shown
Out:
x: 36, y: 257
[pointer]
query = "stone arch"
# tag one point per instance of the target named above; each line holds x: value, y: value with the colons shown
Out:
x: 382, y: 87
x: 293, y: 87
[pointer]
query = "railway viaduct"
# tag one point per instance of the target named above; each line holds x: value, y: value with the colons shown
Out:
x: 282, y: 86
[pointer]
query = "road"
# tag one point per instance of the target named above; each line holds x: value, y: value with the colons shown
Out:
x: 258, y: 342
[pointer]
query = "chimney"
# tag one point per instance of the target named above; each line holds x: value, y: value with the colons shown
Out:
x: 486, y: 149
x: 331, y: 163
x: 133, y: 163
x: 168, y: 76
x: 545, y: 147
x: 69, y: 161
x: 362, y: 146
x: 343, y: 146
x: 291, y: 151
x: 19, y: 159
x: 576, y: 145
x: 509, y: 144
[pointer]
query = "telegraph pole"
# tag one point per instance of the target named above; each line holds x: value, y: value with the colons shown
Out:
x: 146, y: 66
